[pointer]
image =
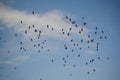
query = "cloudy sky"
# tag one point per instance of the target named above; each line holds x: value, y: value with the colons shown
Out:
x: 55, y: 50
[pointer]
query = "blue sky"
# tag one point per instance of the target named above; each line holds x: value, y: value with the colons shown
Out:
x: 16, y: 64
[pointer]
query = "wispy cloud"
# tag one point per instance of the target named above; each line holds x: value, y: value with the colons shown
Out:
x: 16, y: 60
x: 55, y: 19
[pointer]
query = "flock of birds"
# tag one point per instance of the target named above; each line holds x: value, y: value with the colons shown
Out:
x: 40, y: 45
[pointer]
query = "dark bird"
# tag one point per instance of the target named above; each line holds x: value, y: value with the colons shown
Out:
x: 94, y: 70
x: 92, y: 40
x: 31, y: 39
x: 15, y: 35
x: 78, y: 55
x: 105, y: 37
x: 47, y: 26
x: 33, y: 26
x: 84, y: 23
x: 38, y: 51
x: 81, y: 29
x: 63, y: 32
x: 20, y: 48
x: 81, y: 41
x: 88, y: 36
x: 62, y: 29
x: 66, y: 17
x: 102, y: 31
x: 73, y: 22
x: 95, y: 32
x: 29, y: 27
x: 39, y: 31
x: 25, y: 32
x: 71, y: 40
x: 72, y: 50
x: 88, y: 46
x: 80, y: 48
x: 66, y: 48
x: 64, y: 65
x: 79, y: 32
x: 33, y: 12
x: 14, y: 67
x: 88, y: 72
x: 82, y: 17
x: 40, y: 78
x: 107, y: 58
x: 73, y: 65
x: 70, y: 74
x: 52, y: 60
x: 76, y: 25
x: 68, y: 34
x: 21, y: 22
x: 70, y: 29
x: 34, y: 45
x: 87, y: 41
x: 52, y: 29
x: 20, y: 43
x: 35, y: 30
x: 8, y: 51
x: 70, y: 19
x: 96, y: 28
x: 98, y: 57
x: 100, y: 37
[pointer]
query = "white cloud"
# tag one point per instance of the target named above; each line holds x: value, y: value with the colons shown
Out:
x: 16, y: 60
x: 11, y: 18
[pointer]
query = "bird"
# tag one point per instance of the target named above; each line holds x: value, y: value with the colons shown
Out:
x: 95, y: 32
x: 96, y: 28
x: 29, y: 27
x: 100, y: 37
x: 82, y: 17
x: 25, y: 32
x: 70, y: 19
x: 52, y: 60
x: 70, y: 29
x: 31, y: 39
x: 35, y: 30
x: 66, y: 17
x: 88, y: 36
x: 92, y: 40
x: 47, y: 26
x: 14, y: 67
x: 38, y: 51
x: 21, y: 43
x: 76, y: 25
x: 102, y: 31
x: 33, y: 26
x: 82, y: 41
x: 88, y: 72
x: 78, y: 55
x: 84, y: 23
x: 15, y: 35
x: 94, y: 70
x: 73, y: 22
x: 81, y: 29
x: 33, y: 12
x: 98, y: 57
x: 107, y: 58
x: 71, y: 40
x: 21, y: 22
x: 52, y: 29
x: 73, y: 65
x: 68, y: 34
